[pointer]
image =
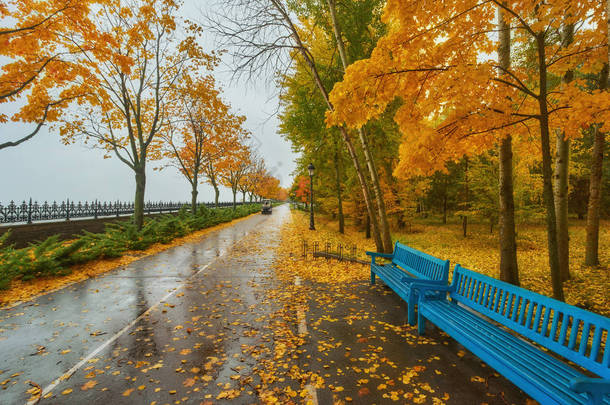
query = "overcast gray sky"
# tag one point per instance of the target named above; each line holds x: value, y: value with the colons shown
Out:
x: 44, y: 169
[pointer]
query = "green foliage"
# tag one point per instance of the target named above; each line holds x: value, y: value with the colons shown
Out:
x: 54, y: 257
x: 5, y: 237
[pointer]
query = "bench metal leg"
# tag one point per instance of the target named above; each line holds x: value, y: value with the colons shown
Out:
x: 411, y: 311
x: 372, y: 278
x: 421, y: 324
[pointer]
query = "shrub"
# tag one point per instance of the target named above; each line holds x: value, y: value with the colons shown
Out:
x: 54, y: 257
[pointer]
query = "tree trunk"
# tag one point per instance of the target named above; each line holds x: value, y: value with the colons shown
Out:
x: 216, y: 194
x: 464, y: 225
x: 365, y: 191
x: 597, y: 161
x: 466, y: 201
x: 445, y: 205
x: 561, y: 204
x: 338, y: 186
x: 138, y: 208
x: 509, y: 269
x: 547, y: 171
x: 368, y: 227
x: 595, y: 183
x: 383, y: 218
x: 562, y: 164
x: 194, y: 194
x: 243, y: 197
x: 234, y: 199
x: 308, y: 58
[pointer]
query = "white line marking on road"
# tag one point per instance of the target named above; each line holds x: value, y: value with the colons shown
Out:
x: 301, y: 320
x: 312, y: 393
x: 78, y: 365
x: 302, y: 330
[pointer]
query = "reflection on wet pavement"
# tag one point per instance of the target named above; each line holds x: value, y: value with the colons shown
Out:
x: 42, y: 339
x: 211, y: 321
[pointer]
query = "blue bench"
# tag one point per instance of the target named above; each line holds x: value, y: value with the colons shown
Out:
x: 409, y: 266
x: 531, y: 339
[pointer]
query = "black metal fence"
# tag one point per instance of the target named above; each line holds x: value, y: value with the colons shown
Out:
x: 342, y: 252
x: 31, y: 211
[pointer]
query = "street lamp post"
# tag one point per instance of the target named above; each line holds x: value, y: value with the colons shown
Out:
x: 311, y: 223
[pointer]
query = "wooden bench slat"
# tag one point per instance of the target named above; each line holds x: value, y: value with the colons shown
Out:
x: 522, y: 358
x: 606, y: 359
x: 597, y: 338
x: 493, y: 319
x: 520, y: 350
x: 409, y: 265
x: 528, y: 313
x: 584, y: 339
x: 564, y: 316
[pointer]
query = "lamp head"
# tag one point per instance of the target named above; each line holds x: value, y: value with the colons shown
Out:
x: 311, y: 169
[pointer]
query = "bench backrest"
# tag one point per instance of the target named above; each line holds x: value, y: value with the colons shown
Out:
x: 420, y: 264
x: 575, y: 334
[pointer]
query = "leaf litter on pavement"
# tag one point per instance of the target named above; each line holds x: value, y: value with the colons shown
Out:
x: 231, y: 335
x: 26, y: 290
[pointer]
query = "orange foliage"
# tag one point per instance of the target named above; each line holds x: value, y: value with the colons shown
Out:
x: 238, y: 164
x: 269, y: 187
x: 130, y: 83
x: 455, y: 99
x: 202, y: 133
x: 282, y: 195
x: 302, y: 191
x: 40, y: 52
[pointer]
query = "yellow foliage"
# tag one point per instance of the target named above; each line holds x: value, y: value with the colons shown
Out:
x: 439, y: 61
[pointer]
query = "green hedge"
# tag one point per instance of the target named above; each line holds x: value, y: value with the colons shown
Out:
x: 54, y: 257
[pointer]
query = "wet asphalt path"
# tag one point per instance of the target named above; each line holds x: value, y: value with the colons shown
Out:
x: 208, y: 322
x: 359, y: 339
x: 125, y: 329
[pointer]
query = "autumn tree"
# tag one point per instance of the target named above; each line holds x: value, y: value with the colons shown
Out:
x: 301, y: 123
x: 509, y: 270
x: 252, y: 174
x: 302, y: 189
x: 265, y: 35
x: 200, y: 122
x: 282, y: 194
x: 130, y: 85
x: 219, y: 153
x: 456, y: 102
x: 39, y: 66
x: 370, y: 162
x: 269, y: 187
x: 238, y: 164
x: 597, y: 156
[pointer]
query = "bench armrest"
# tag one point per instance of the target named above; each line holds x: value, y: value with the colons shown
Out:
x: 595, y: 388
x: 421, y: 281
x: 422, y: 287
x: 379, y: 254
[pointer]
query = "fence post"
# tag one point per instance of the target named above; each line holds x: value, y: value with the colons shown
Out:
x: 95, y: 209
x: 30, y: 211
x: 117, y: 208
x: 67, y: 209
